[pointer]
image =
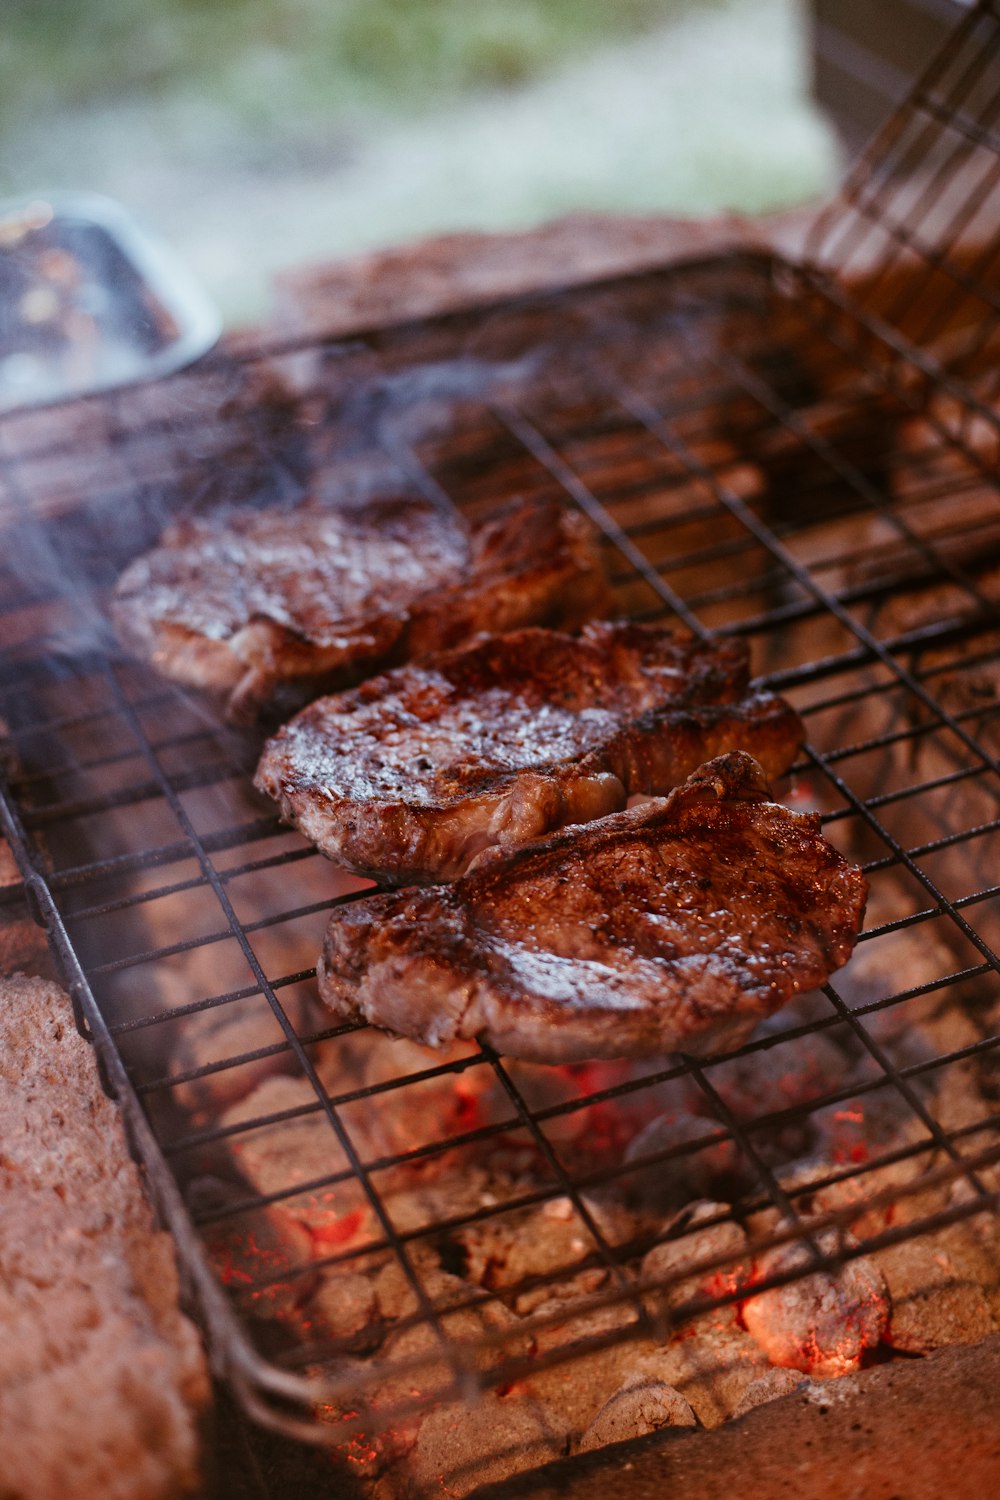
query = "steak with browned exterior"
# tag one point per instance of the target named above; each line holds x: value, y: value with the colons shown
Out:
x: 272, y: 606
x: 672, y: 926
x: 409, y: 777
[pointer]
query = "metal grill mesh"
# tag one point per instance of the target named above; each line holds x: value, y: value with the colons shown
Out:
x: 762, y: 456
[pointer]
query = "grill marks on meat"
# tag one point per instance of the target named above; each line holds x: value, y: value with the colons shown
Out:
x: 672, y: 926
x: 411, y: 776
x: 266, y: 604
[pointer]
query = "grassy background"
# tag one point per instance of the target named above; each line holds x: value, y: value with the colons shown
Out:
x: 261, y: 134
x: 339, y: 55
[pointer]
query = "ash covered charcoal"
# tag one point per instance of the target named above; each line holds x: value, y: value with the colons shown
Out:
x: 710, y: 1359
x: 712, y: 1364
x: 847, y: 1186
x: 234, y: 1031
x: 641, y: 1406
x: 411, y: 1109
x: 466, y: 1321
x: 343, y: 1313
x: 585, y: 1378
x: 413, y: 775
x: 459, y: 1448
x: 780, y: 1072
x: 666, y: 1177
x: 265, y: 604
x: 284, y: 1145
x: 295, y: 1158
x: 822, y: 1323
x: 414, y: 1364
x: 532, y: 1255
x: 945, y: 1288
x: 677, y: 925
x: 700, y: 1374
x: 786, y: 1076
x: 704, y: 1231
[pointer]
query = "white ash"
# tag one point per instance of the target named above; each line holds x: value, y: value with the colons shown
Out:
x: 422, y: 1365
x: 406, y: 1111
x: 344, y: 1312
x: 942, y: 1288
x: 286, y: 1155
x: 580, y: 1385
x: 396, y: 1295
x: 958, y: 1100
x: 545, y: 1244
x: 785, y: 1075
x: 231, y: 1031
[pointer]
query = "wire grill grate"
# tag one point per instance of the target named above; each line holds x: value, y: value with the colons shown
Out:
x: 761, y: 456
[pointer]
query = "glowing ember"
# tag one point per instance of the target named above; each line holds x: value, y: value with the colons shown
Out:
x: 822, y: 1324
x: 262, y: 1258
x: 334, y: 1231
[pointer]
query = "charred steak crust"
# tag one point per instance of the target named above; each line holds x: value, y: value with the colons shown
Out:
x: 411, y: 776
x: 672, y: 926
x: 249, y: 602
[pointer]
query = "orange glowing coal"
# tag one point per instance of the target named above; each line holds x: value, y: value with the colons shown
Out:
x: 339, y: 1231
x: 822, y: 1324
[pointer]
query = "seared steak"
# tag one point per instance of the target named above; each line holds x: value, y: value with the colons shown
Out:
x: 672, y: 926
x: 411, y: 776
x: 260, y: 600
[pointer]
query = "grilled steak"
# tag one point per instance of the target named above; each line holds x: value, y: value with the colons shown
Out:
x: 258, y: 601
x: 411, y: 776
x: 672, y: 926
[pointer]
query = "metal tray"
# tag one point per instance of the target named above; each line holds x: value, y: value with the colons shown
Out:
x: 89, y: 302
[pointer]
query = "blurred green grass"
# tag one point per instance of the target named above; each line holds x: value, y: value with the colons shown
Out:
x: 340, y: 55
x: 258, y: 135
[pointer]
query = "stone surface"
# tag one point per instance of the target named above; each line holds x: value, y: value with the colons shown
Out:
x: 452, y: 270
x: 916, y: 1430
x: 768, y: 1387
x: 102, y: 1380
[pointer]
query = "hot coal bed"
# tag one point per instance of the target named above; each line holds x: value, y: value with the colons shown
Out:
x: 451, y: 1266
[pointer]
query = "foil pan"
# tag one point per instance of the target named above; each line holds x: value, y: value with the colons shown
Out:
x: 89, y: 302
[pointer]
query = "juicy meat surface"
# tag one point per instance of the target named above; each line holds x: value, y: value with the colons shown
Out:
x: 409, y: 777
x: 672, y: 926
x: 256, y: 602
